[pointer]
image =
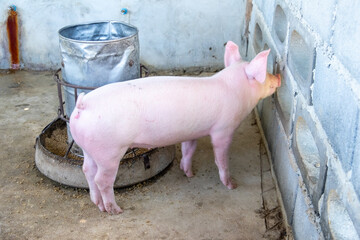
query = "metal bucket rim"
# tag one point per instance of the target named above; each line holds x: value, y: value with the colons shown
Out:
x: 97, y: 42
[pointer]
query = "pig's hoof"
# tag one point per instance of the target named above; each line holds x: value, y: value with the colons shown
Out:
x: 231, y: 184
x: 98, y: 202
x: 188, y: 172
x: 101, y: 207
x: 113, y: 208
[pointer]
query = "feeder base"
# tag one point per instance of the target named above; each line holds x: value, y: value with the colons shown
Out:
x: 136, y: 166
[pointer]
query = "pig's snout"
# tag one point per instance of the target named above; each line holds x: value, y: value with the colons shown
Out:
x: 279, y: 79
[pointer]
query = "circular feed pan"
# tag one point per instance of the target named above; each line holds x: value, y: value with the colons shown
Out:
x: 136, y: 166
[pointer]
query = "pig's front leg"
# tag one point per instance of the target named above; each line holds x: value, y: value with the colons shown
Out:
x: 221, y: 144
x: 187, y: 150
x: 108, y: 165
x: 90, y: 169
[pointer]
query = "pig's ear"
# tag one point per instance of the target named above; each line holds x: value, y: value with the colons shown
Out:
x: 256, y: 69
x: 231, y: 53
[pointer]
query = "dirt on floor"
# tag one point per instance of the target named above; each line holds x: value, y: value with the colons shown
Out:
x: 169, y: 206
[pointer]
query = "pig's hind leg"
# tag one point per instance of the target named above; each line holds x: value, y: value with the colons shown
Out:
x: 221, y: 144
x: 187, y: 150
x: 108, y: 164
x: 90, y: 169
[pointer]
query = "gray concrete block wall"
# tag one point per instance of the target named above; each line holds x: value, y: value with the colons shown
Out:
x: 355, y: 171
x: 304, y: 228
x: 312, y: 123
x: 312, y: 10
x: 346, y: 35
x: 335, y: 105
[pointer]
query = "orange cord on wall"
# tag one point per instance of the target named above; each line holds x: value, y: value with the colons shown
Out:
x: 13, y: 37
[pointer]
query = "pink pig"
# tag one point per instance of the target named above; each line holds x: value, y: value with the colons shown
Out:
x: 160, y: 111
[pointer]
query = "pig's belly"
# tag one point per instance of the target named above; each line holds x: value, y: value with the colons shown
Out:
x: 166, y: 137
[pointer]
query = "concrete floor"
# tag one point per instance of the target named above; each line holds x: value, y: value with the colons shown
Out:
x: 170, y: 206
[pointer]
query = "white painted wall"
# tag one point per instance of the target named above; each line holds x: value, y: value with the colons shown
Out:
x: 172, y: 33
